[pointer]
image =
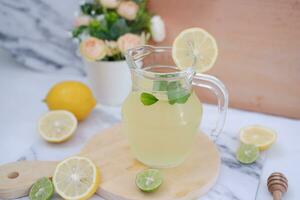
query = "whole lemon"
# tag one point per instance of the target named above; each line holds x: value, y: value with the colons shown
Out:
x: 73, y: 96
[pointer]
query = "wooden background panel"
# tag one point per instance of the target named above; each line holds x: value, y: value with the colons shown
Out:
x: 259, y: 43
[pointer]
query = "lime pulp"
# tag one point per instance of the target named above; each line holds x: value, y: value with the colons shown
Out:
x: 42, y: 189
x: 247, y: 153
x: 149, y: 180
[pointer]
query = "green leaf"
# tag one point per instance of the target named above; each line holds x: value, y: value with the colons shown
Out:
x: 119, y: 28
x: 99, y: 30
x: 111, y: 17
x: 183, y: 99
x: 141, y: 23
x: 160, y: 85
x: 176, y: 93
x: 91, y: 9
x: 148, y: 99
x: 78, y: 31
x: 86, y: 8
x: 115, y: 57
x: 142, y: 20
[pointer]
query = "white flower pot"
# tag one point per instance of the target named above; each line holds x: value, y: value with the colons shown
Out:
x: 110, y: 81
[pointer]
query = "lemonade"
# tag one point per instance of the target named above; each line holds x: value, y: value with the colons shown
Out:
x: 161, y: 135
x: 162, y: 113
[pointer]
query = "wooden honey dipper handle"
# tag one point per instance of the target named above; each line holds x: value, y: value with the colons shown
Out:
x: 277, y: 195
x: 277, y: 185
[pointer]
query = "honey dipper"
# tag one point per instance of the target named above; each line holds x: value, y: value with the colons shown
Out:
x: 277, y: 185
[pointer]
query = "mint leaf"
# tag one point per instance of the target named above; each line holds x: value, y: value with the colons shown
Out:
x: 160, y: 85
x: 148, y: 99
x: 177, y: 94
x: 183, y: 99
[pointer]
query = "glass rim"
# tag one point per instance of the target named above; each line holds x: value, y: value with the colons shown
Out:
x: 136, y: 54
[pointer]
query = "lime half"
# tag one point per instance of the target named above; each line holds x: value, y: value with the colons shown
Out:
x: 149, y: 180
x: 247, y: 153
x: 41, y: 190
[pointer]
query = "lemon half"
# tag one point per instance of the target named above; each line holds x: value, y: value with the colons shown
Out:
x: 57, y: 126
x: 76, y: 178
x: 258, y: 135
x: 195, y: 47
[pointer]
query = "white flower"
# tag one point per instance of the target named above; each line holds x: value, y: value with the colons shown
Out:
x: 93, y: 49
x: 112, y: 47
x: 110, y: 3
x: 82, y: 20
x: 128, y: 10
x: 129, y: 41
x: 158, y: 30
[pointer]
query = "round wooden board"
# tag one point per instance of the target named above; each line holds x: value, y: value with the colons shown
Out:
x: 110, y: 151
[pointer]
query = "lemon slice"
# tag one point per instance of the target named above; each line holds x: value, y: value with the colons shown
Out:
x: 57, y: 126
x: 260, y: 136
x: 194, y: 47
x: 76, y: 178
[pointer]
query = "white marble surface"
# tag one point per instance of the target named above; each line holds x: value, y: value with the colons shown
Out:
x: 21, y: 106
x: 35, y: 33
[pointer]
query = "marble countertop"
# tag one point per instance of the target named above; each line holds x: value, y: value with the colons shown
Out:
x: 46, y: 23
x: 20, y: 105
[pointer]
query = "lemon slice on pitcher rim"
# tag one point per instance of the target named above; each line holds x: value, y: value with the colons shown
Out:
x: 195, y: 47
x: 76, y: 178
x: 260, y: 136
x: 57, y: 126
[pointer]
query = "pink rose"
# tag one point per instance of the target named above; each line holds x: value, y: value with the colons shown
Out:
x: 128, y: 10
x: 129, y: 41
x: 93, y: 49
x: 82, y: 20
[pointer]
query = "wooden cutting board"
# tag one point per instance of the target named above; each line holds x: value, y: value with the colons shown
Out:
x: 110, y: 151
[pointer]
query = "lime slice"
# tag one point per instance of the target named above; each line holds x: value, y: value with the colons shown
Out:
x: 76, y: 178
x: 41, y: 190
x: 247, y: 153
x: 149, y: 180
x: 57, y: 126
x: 194, y: 47
x: 260, y: 136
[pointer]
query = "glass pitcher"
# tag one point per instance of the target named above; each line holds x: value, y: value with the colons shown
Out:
x: 162, y: 113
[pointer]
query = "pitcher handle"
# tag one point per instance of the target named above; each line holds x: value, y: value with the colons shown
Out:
x: 220, y: 91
